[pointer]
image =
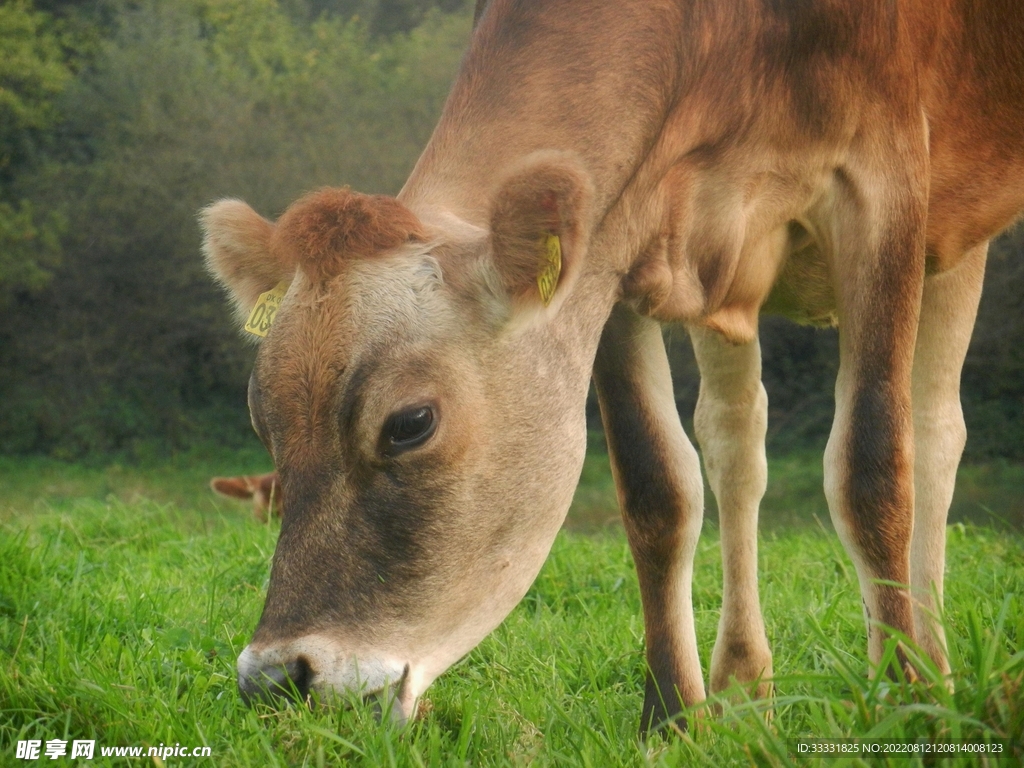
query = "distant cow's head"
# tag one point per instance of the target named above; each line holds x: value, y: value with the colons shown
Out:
x: 264, y: 491
x: 422, y: 392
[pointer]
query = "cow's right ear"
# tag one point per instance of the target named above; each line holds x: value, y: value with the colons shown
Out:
x: 236, y: 242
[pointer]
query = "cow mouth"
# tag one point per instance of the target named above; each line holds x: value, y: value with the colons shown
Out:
x: 383, y: 685
x: 394, y: 701
x: 390, y: 697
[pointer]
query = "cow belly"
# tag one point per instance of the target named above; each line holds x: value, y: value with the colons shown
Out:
x: 803, y: 292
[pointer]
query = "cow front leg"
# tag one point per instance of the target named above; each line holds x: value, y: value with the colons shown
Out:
x: 877, y: 246
x: 730, y: 423
x: 661, y: 495
x: 948, y: 311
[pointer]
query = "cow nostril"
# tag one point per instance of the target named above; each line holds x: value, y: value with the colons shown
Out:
x: 288, y: 681
x: 301, y: 675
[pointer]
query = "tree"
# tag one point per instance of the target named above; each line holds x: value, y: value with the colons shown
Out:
x: 33, y: 73
x: 384, y: 18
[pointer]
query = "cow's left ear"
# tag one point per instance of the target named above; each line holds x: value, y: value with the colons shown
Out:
x: 232, y: 487
x: 236, y: 242
x: 540, y: 220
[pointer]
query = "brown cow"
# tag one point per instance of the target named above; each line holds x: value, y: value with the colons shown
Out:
x: 601, y: 167
x: 264, y: 491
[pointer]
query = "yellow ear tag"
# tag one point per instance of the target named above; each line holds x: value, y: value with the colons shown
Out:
x: 551, y: 268
x: 263, y: 314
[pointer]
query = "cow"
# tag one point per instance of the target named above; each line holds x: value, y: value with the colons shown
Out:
x: 264, y: 491
x: 602, y: 167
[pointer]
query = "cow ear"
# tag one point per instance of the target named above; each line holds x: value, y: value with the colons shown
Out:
x: 232, y: 487
x: 539, y: 222
x: 236, y: 242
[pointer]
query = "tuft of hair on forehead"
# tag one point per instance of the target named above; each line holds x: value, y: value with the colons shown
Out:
x: 323, y: 230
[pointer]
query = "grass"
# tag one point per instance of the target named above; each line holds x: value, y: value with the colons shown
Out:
x: 120, y: 620
x: 986, y: 494
x: 33, y: 485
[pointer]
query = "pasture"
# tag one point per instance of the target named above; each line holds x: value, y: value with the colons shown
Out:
x: 126, y: 594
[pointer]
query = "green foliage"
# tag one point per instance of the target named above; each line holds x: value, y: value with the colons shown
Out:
x: 382, y: 17
x: 29, y: 247
x: 32, y: 74
x: 121, y: 622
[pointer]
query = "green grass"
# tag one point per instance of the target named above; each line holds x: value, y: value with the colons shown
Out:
x: 986, y: 494
x: 120, y: 621
x: 32, y: 485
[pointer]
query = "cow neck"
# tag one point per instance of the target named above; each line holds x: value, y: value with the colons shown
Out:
x: 543, y: 79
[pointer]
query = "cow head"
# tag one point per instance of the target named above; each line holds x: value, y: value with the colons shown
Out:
x: 422, y: 393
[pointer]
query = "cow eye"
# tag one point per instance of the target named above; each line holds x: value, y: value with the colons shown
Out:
x: 408, y: 429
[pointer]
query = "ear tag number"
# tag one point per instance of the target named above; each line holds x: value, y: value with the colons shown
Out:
x: 263, y: 314
x: 551, y: 268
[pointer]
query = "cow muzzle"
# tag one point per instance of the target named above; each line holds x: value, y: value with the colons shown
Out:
x: 275, y: 682
x: 280, y: 676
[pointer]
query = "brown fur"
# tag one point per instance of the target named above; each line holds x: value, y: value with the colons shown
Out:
x: 325, y: 229
x: 649, y: 455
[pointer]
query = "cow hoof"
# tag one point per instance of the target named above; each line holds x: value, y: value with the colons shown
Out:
x: 743, y: 663
x: 691, y: 724
x: 740, y: 693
